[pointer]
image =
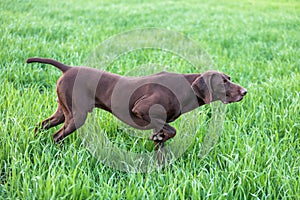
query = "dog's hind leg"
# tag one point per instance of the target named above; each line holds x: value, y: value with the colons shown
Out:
x: 57, y: 118
x: 72, y: 123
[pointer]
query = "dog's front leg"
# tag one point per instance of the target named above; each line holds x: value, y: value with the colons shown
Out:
x: 160, y: 153
x: 159, y: 138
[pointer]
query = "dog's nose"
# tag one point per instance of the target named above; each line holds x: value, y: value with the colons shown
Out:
x: 244, y: 92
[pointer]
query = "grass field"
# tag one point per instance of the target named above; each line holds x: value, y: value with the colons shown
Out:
x: 257, y: 154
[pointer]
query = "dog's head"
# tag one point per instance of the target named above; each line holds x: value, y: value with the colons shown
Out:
x: 212, y: 86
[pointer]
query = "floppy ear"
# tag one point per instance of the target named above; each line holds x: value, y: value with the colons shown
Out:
x: 201, y: 89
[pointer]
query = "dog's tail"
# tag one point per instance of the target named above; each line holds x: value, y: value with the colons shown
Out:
x: 55, y: 63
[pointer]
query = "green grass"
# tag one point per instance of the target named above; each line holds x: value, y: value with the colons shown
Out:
x: 256, y: 156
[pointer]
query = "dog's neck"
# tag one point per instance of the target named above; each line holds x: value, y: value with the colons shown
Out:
x: 200, y: 101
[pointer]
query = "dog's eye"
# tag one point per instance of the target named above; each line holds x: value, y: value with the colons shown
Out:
x: 225, y: 81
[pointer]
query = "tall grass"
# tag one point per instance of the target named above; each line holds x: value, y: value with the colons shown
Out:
x: 257, y: 154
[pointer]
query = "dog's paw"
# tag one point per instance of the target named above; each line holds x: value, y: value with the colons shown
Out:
x: 157, y: 137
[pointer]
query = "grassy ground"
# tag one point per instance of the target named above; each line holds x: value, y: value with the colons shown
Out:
x: 257, y: 155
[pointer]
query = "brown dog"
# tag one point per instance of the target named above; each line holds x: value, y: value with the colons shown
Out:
x: 149, y: 102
